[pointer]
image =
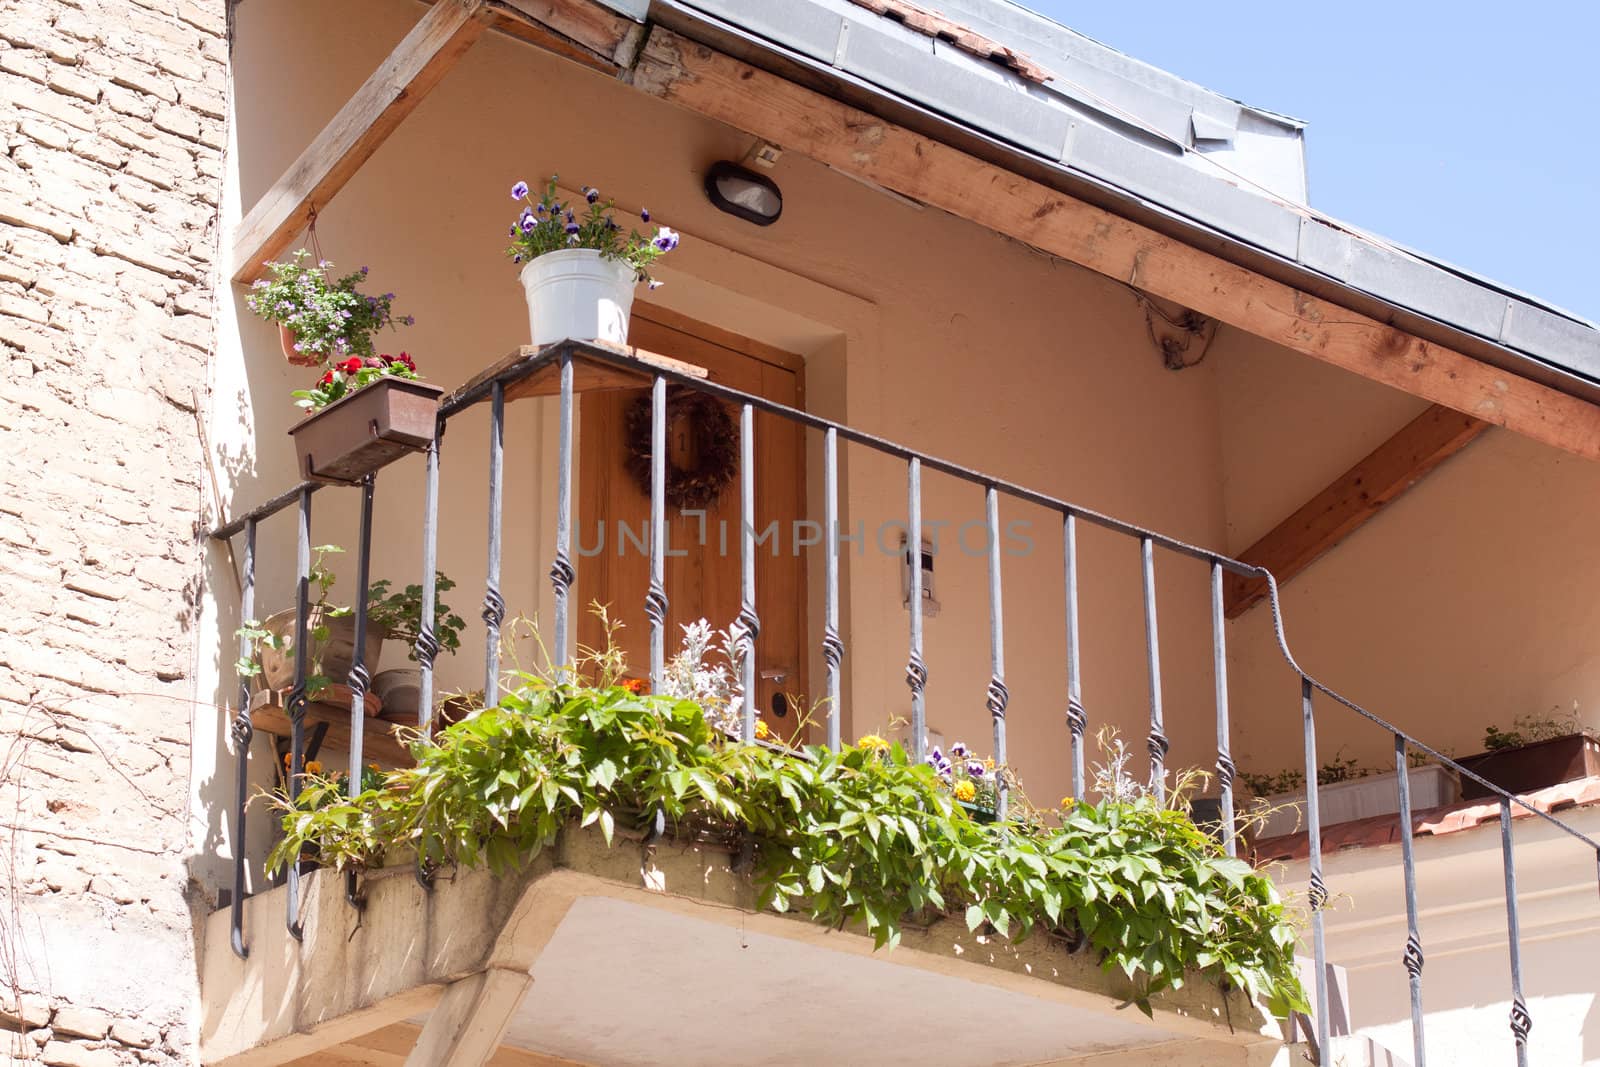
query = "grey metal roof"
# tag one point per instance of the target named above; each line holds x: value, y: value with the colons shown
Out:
x: 1187, y: 161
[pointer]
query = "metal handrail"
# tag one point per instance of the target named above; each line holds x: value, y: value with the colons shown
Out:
x: 562, y: 355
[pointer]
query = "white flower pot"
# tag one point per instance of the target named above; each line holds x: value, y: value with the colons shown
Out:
x: 575, y: 293
x: 1432, y: 786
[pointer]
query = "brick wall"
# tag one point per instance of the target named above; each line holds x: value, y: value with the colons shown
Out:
x: 112, y: 127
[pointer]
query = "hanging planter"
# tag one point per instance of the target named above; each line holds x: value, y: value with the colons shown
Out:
x: 321, y: 317
x: 366, y: 414
x: 581, y: 270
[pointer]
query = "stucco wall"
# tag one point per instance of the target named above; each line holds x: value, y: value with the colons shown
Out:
x: 111, y: 121
x: 1468, y: 602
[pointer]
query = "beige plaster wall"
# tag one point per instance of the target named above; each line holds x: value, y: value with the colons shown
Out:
x: 915, y: 325
x: 1469, y: 601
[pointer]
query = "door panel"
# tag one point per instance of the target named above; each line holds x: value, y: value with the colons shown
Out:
x: 702, y: 567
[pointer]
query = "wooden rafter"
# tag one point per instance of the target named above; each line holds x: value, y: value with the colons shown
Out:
x: 1351, y: 500
x: 394, y: 90
x: 856, y: 142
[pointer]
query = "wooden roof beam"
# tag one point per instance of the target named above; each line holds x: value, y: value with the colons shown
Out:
x: 858, y: 143
x: 1351, y: 500
x: 417, y: 64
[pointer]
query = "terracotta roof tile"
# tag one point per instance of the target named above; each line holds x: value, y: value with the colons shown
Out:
x: 1436, y: 822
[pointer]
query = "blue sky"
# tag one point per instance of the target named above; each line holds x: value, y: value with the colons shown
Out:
x: 1465, y: 130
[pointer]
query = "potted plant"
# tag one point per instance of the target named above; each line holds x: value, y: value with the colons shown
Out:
x: 1346, y: 792
x: 366, y: 412
x: 972, y: 782
x: 1538, y: 751
x: 331, y: 629
x: 400, y: 615
x: 321, y: 318
x: 580, y: 268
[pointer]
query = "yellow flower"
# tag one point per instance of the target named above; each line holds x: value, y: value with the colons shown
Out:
x: 762, y: 731
x: 373, y: 767
x: 1067, y: 802
x: 965, y: 790
x: 989, y: 763
x: 313, y: 766
x: 873, y: 742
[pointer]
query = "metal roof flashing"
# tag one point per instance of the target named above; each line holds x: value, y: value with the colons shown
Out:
x: 1125, y: 136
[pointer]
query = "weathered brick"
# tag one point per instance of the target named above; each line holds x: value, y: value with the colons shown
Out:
x: 68, y: 82
x: 66, y: 1054
x: 19, y: 214
x: 81, y: 1022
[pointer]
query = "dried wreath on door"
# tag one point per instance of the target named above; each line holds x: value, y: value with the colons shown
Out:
x: 713, y: 441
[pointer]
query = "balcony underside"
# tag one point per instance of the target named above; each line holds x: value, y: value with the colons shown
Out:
x: 654, y: 957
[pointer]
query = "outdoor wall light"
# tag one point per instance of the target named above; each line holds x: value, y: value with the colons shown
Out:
x: 744, y: 193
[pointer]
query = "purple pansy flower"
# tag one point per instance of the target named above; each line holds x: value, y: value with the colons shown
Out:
x: 572, y: 227
x: 591, y: 195
x: 665, y: 239
x: 519, y: 190
x: 644, y: 214
x: 975, y: 769
x: 959, y: 750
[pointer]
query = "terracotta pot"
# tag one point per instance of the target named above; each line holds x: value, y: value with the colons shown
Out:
x: 287, y: 338
x: 368, y: 429
x: 337, y: 653
x: 400, y: 689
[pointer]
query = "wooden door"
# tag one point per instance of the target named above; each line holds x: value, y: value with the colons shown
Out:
x: 703, y: 582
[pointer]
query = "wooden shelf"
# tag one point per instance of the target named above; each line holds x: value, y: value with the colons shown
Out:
x: 380, y: 741
x: 587, y: 375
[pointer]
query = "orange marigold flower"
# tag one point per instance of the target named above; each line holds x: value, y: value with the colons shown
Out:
x: 636, y: 686
x: 762, y: 731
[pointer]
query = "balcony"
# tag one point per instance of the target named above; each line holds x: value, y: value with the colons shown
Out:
x: 456, y: 961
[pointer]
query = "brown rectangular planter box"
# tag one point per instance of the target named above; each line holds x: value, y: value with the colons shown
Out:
x: 372, y: 427
x: 1535, y: 766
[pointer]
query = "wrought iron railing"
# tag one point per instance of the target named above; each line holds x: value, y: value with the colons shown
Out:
x: 562, y: 357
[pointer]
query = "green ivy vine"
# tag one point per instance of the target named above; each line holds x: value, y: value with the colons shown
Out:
x: 861, y: 835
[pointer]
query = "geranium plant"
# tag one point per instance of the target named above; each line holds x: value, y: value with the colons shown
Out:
x: 329, y: 316
x: 349, y: 375
x: 548, y: 225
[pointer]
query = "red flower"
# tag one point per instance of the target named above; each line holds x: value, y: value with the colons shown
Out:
x: 375, y: 361
x: 351, y: 365
x: 405, y: 360
x: 327, y: 379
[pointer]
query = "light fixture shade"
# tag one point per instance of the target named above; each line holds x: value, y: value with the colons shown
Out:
x: 744, y: 193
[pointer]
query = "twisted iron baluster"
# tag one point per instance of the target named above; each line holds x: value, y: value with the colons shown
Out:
x: 561, y: 573
x: 427, y: 646
x: 1158, y: 738
x: 997, y: 696
x: 1077, y: 718
x: 494, y: 605
x: 242, y: 731
x: 916, y: 675
x: 1317, y: 894
x: 832, y: 646
x: 655, y: 600
x: 1521, y: 1021
x: 297, y: 696
x: 360, y: 678
x: 1413, y: 951
x: 1219, y: 670
x: 748, y: 625
x: 913, y: 550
